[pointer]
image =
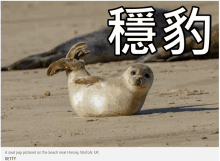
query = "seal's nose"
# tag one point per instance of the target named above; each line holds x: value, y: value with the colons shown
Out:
x: 140, y: 77
x: 139, y: 80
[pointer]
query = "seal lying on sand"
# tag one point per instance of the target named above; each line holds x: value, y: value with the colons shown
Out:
x: 95, y: 96
x: 102, y: 51
x: 97, y: 44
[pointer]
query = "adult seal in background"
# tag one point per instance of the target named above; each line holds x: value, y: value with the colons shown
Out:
x: 94, y: 96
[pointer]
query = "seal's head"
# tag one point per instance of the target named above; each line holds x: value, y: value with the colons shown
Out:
x: 138, y: 78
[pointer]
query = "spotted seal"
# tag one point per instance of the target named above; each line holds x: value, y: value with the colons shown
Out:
x: 92, y: 96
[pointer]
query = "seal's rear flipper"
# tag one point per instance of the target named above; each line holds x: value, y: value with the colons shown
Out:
x: 64, y: 64
x: 71, y: 62
x: 77, y: 51
x: 5, y: 68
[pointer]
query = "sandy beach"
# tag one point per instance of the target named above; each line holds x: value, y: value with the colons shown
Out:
x: 181, y: 109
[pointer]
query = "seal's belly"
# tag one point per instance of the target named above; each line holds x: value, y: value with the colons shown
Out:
x: 102, y: 100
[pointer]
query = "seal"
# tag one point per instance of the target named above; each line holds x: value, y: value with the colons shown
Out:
x: 97, y: 43
x: 92, y: 96
x: 102, y: 51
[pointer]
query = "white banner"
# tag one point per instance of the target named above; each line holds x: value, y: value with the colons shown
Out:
x: 103, y: 154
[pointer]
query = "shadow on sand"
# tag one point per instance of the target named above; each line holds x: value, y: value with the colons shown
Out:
x: 178, y: 109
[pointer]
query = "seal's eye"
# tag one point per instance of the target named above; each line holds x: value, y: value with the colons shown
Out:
x: 147, y: 75
x: 133, y: 73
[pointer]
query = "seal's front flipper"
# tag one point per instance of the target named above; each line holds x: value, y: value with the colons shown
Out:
x: 88, y: 80
x: 160, y: 56
x: 64, y: 64
x: 185, y: 56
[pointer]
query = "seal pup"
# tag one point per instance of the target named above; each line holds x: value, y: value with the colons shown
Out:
x: 94, y: 96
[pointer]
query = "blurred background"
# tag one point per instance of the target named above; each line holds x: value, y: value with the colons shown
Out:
x: 33, y: 27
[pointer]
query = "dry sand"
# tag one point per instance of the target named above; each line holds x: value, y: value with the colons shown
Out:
x: 181, y: 109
